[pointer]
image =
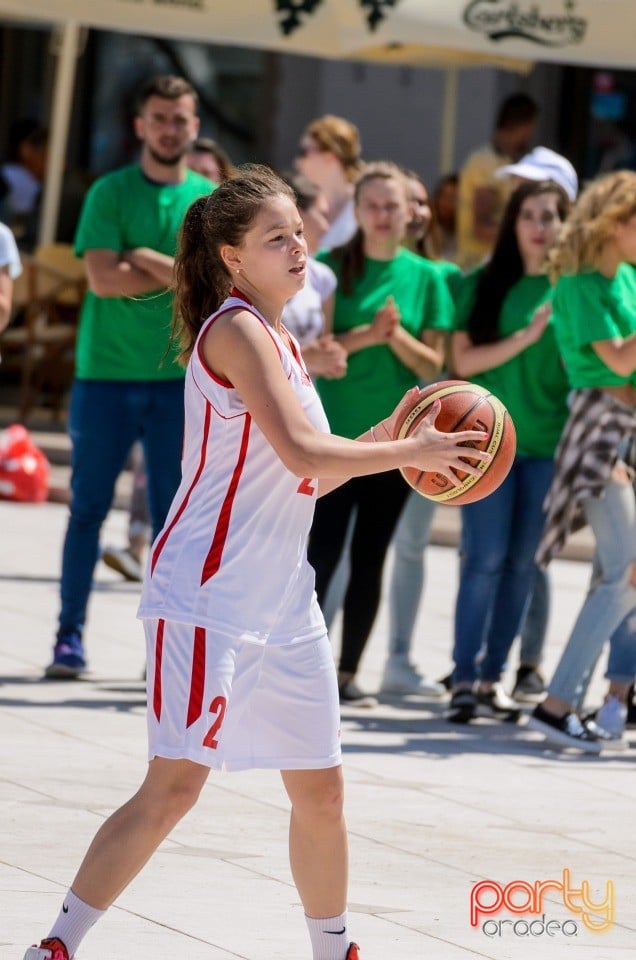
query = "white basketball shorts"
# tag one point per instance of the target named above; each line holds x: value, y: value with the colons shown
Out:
x: 234, y: 705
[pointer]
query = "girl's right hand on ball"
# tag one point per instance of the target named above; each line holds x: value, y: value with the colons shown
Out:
x: 445, y: 453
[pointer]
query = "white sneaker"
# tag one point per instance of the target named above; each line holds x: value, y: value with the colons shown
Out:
x: 401, y: 677
x: 609, y: 724
x: 496, y: 703
x: 124, y: 562
x: 612, y: 717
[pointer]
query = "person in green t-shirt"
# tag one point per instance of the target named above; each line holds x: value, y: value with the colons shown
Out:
x: 595, y: 323
x: 392, y: 313
x: 128, y: 385
x: 504, y: 341
x: 400, y: 675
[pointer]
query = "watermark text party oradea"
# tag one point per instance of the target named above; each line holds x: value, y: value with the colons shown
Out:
x: 488, y: 898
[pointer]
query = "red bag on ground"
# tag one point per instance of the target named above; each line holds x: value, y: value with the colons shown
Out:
x: 24, y: 470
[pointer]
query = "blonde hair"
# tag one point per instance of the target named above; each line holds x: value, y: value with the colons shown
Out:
x: 341, y: 138
x: 608, y: 200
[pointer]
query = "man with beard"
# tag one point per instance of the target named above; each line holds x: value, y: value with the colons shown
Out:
x: 128, y: 385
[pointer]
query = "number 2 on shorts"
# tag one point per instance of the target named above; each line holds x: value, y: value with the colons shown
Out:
x: 305, y: 486
x: 217, y: 706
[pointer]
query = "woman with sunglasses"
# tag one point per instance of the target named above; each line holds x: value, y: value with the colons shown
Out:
x: 329, y: 156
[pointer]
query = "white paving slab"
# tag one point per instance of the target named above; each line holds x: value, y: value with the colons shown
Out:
x: 432, y: 809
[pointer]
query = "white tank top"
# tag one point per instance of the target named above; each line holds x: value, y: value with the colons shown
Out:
x: 232, y: 556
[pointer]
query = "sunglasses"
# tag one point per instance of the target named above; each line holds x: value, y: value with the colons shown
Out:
x: 306, y: 149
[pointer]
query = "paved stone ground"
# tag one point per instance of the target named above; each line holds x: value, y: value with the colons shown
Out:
x: 432, y: 809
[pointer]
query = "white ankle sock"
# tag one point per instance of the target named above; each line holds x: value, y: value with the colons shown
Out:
x: 74, y: 921
x: 329, y: 938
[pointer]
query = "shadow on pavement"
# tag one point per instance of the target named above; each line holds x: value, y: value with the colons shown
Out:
x: 431, y: 735
x: 131, y: 695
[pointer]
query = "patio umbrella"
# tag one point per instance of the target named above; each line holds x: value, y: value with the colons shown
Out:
x: 600, y: 32
x: 449, y: 33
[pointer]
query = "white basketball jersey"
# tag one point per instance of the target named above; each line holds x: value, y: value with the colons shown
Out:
x: 232, y: 556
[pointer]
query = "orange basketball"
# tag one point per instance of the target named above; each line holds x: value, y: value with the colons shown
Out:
x: 465, y: 406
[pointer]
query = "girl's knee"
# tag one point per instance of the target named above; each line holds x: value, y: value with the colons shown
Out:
x: 320, y: 797
x: 171, y: 797
x: 182, y: 797
x: 487, y: 564
x: 325, y: 804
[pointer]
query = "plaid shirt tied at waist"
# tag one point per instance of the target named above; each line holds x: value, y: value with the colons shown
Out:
x: 584, y: 459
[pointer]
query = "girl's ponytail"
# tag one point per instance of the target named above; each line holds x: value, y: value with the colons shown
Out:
x: 200, y: 278
x: 202, y: 281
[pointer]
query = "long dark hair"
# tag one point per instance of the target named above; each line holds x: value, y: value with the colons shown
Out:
x: 351, y: 255
x: 505, y: 266
x: 202, y: 281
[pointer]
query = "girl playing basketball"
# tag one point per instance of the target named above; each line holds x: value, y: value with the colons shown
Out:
x: 240, y: 672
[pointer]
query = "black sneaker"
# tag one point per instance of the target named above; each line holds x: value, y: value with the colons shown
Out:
x: 529, y: 686
x: 497, y: 705
x: 447, y: 681
x: 352, y: 696
x: 631, y: 708
x: 567, y: 731
x: 463, y: 706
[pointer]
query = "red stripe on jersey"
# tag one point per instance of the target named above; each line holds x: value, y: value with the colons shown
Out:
x: 211, y: 373
x: 195, y: 706
x: 204, y: 445
x: 297, y: 355
x: 220, y: 380
x: 156, y: 695
x: 213, y: 559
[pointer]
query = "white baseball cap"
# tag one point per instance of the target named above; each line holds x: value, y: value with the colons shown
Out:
x: 544, y: 164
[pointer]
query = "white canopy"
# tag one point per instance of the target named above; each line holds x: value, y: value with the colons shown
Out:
x: 450, y: 33
x: 595, y: 32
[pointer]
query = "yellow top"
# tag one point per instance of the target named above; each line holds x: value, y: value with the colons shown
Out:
x: 479, y: 172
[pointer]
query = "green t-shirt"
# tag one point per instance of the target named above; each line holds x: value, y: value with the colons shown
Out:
x: 588, y: 308
x: 376, y: 380
x: 451, y: 273
x: 126, y: 338
x: 533, y: 385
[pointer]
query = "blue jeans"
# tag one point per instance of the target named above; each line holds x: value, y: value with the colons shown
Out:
x: 621, y: 663
x: 535, y: 624
x: 105, y: 419
x: 407, y: 581
x: 610, y: 603
x: 500, y: 535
